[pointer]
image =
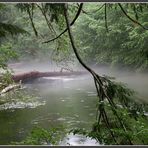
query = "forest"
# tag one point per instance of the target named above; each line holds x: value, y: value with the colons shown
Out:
x: 73, y: 74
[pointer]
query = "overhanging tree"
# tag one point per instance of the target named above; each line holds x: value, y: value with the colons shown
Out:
x: 108, y: 91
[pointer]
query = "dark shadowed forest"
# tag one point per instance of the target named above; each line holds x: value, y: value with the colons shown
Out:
x: 73, y: 74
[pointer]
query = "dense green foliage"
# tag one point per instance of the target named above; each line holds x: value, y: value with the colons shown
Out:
x: 8, y: 28
x: 104, y: 36
x: 41, y: 136
x: 96, y: 35
x: 30, y: 45
x: 123, y: 44
x: 136, y: 131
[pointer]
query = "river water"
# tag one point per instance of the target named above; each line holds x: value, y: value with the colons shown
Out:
x: 69, y: 102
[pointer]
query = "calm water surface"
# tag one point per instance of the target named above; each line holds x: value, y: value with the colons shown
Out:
x: 69, y: 102
x: 66, y: 102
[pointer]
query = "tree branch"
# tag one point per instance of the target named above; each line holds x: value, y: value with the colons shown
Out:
x: 83, y: 11
x: 72, y: 42
x: 31, y: 19
x: 98, y: 80
x: 90, y: 13
x: 77, y: 15
x: 99, y: 8
x: 106, y: 17
x: 46, y: 19
x: 131, y: 18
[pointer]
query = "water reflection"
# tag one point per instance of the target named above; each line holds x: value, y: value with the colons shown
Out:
x: 67, y: 101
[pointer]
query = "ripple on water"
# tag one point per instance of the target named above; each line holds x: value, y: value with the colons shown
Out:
x: 91, y: 114
x: 76, y: 115
x: 82, y: 101
x: 86, y: 106
x: 61, y: 119
x: 78, y: 140
x: 91, y: 93
x: 19, y: 105
x: 79, y: 89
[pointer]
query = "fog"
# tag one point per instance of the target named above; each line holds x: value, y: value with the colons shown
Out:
x: 41, y: 66
x: 69, y: 101
x: 134, y: 80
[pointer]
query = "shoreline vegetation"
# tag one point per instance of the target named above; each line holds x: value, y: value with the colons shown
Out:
x: 71, y: 38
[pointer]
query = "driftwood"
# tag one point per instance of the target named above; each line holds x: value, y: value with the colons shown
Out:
x: 36, y: 74
x: 10, y: 88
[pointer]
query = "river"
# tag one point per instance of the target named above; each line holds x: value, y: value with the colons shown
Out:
x: 69, y: 102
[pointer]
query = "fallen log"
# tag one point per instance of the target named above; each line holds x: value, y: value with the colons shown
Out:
x: 36, y: 74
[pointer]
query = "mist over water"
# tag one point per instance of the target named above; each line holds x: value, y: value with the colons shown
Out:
x: 137, y: 81
x: 45, y: 66
x: 67, y: 101
x: 134, y: 80
x: 46, y: 98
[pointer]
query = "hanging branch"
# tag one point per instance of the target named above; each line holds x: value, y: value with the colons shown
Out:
x: 136, y: 22
x: 101, y: 91
x: 46, y: 19
x: 83, y: 64
x: 90, y: 13
x: 31, y: 19
x: 77, y: 15
x: 99, y: 8
x: 106, y: 17
x: 83, y: 11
